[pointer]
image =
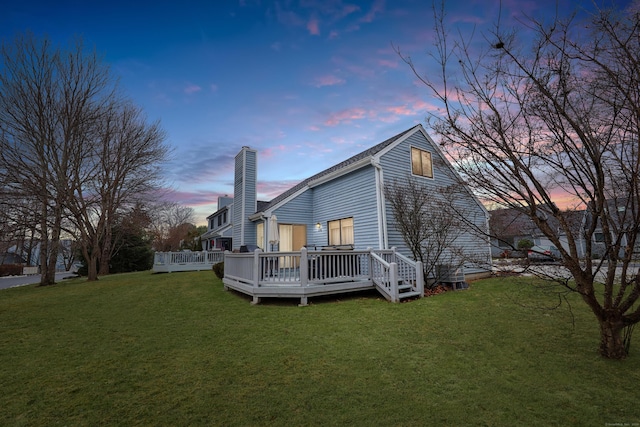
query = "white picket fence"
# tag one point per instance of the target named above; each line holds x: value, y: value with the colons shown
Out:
x: 167, y: 262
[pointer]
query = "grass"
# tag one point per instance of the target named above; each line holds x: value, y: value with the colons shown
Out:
x: 175, y: 349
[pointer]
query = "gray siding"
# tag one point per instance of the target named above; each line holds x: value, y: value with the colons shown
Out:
x: 396, y: 164
x: 351, y: 195
x: 298, y: 211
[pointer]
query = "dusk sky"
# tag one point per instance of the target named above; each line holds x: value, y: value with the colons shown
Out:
x: 308, y: 83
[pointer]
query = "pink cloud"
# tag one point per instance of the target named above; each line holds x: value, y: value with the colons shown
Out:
x: 191, y: 88
x: 314, y: 27
x: 190, y: 198
x: 329, y: 80
x: 387, y: 63
x: 348, y: 9
x: 288, y: 17
x: 401, y: 110
x: 271, y: 189
x: 361, y: 71
x: 273, y: 151
x: 345, y: 116
x: 377, y: 7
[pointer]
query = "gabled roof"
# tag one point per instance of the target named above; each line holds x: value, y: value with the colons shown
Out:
x: 333, y: 169
x: 217, y: 232
x: 505, y: 223
x: 224, y: 208
x: 262, y: 205
x: 12, y: 258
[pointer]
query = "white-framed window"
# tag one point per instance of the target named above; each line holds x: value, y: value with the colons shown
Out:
x: 421, y: 163
x: 341, y: 232
x: 260, y: 235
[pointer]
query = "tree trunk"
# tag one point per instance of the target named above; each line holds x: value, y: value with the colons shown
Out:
x: 92, y: 267
x: 46, y: 278
x: 91, y: 259
x: 611, y: 342
x: 105, y: 257
x: 54, y: 245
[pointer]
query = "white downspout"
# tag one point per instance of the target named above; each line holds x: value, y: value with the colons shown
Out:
x: 383, y: 239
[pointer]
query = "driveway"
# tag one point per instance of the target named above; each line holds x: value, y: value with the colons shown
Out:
x: 13, y: 281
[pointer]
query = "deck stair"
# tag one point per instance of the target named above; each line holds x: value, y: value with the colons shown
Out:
x: 405, y: 291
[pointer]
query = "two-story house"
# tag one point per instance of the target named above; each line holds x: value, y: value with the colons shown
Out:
x: 345, y: 205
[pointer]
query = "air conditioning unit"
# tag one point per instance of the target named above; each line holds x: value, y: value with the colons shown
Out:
x: 451, y: 275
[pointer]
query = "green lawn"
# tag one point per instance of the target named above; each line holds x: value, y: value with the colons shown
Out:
x: 175, y: 349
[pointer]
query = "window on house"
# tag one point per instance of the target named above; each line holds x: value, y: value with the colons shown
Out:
x: 224, y: 217
x: 219, y: 220
x: 260, y: 235
x: 598, y: 237
x: 341, y: 232
x: 421, y: 163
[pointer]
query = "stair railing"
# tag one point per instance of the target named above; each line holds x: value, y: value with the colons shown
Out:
x: 385, y: 276
x: 409, y: 272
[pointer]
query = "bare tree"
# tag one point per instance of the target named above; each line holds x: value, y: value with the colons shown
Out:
x: 524, y: 121
x: 48, y: 99
x: 170, y: 224
x: 429, y: 225
x: 73, y: 146
x: 121, y: 170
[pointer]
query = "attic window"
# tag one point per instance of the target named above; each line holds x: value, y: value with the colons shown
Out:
x: 421, y: 163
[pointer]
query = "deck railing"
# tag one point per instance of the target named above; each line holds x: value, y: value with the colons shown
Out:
x: 302, y: 268
x: 298, y: 270
x: 186, y: 261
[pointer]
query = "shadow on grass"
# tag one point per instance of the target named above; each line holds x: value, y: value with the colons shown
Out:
x: 321, y: 299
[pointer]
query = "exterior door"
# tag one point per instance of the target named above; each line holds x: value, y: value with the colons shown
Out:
x: 292, y: 238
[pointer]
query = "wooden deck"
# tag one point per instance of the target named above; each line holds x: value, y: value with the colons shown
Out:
x: 167, y: 262
x: 307, y: 274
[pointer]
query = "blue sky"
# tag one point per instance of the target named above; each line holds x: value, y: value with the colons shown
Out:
x: 307, y: 83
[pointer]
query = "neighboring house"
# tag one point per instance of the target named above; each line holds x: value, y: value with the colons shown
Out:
x: 344, y: 205
x: 623, y: 224
x: 65, y: 253
x: 219, y: 226
x: 12, y: 258
x: 509, y: 226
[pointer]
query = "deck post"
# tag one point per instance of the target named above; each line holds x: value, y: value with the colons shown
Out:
x: 256, y: 267
x: 304, y: 268
x: 256, y: 275
x: 393, y: 278
x: 224, y: 272
x: 419, y: 278
x: 369, y: 260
